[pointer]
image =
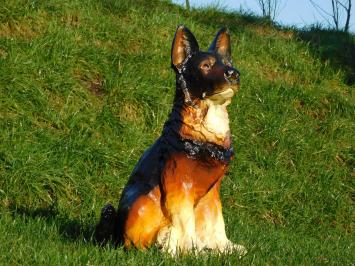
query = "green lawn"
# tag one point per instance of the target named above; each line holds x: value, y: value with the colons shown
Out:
x: 85, y: 87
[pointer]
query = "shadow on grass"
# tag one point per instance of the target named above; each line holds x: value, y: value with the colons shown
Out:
x: 68, y: 228
x: 337, y: 47
x: 234, y: 21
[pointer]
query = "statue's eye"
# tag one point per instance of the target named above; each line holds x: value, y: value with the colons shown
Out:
x: 206, y: 66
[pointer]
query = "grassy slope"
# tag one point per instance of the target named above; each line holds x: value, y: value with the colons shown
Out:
x: 85, y: 88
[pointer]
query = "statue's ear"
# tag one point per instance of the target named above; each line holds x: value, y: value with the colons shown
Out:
x: 184, y: 44
x: 221, y: 44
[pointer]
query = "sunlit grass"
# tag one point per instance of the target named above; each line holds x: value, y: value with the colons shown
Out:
x: 85, y: 87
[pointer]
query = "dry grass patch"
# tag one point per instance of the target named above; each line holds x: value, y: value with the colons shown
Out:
x: 130, y: 112
x: 93, y: 82
x: 265, y: 30
x: 110, y: 45
x: 26, y: 28
x: 277, y: 75
x: 71, y: 20
x: 3, y: 54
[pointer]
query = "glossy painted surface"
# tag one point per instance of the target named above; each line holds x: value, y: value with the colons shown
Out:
x: 172, y: 196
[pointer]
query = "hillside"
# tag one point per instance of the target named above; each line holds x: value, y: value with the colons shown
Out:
x: 85, y: 87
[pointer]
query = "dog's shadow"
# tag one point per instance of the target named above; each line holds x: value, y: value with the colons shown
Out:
x: 69, y: 229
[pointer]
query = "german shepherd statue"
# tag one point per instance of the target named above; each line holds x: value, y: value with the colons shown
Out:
x: 172, y: 197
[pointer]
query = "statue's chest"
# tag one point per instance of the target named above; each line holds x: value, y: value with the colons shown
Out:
x: 200, y: 165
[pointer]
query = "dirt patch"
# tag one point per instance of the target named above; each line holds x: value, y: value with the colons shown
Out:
x: 92, y: 82
x: 298, y: 105
x: 273, y: 218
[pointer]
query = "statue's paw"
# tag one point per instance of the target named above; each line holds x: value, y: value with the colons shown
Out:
x: 230, y: 247
x: 170, y: 241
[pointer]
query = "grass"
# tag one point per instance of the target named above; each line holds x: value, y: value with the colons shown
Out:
x: 85, y: 87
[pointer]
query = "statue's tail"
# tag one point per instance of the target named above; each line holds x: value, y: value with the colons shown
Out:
x: 106, y: 229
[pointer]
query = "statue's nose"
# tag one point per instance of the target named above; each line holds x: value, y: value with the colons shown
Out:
x: 232, y: 74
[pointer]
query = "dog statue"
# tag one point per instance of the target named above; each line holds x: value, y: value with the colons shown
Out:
x: 172, y: 196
